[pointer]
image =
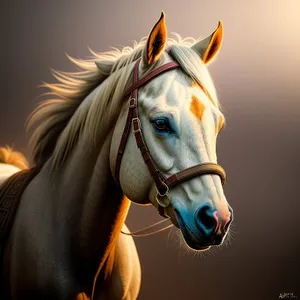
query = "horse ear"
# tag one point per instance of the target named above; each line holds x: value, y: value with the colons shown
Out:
x: 156, y: 41
x: 210, y: 46
x: 104, y: 67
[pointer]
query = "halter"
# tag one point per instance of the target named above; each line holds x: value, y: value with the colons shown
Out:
x: 162, y: 183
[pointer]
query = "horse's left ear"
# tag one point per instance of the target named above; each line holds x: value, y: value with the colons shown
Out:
x: 210, y: 46
x: 156, y: 41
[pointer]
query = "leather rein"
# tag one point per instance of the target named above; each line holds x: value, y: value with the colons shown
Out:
x: 163, y: 184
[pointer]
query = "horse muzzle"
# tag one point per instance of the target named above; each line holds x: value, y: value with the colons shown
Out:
x: 206, y: 228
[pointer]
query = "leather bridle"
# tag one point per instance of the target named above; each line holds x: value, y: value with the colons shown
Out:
x: 162, y: 183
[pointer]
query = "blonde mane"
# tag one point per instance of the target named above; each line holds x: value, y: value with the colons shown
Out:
x: 86, y: 103
x: 15, y: 158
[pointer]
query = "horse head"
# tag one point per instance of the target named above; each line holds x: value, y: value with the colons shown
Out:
x: 179, y: 119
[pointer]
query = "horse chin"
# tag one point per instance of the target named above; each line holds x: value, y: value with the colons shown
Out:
x: 190, y: 242
x: 194, y: 246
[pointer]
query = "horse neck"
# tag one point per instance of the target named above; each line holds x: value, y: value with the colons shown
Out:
x: 95, y: 206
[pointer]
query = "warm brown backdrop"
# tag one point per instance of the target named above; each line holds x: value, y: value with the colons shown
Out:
x: 258, y: 77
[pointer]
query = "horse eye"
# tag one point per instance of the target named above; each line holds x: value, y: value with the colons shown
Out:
x: 161, y: 125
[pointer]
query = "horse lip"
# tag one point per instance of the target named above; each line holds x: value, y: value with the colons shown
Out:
x: 188, y: 236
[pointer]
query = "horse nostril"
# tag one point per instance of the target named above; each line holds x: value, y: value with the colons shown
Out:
x: 205, y: 219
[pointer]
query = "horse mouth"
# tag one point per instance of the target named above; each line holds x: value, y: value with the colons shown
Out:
x: 188, y: 236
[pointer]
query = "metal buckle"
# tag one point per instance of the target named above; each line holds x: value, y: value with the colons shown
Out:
x: 138, y: 122
x: 163, y: 199
x: 132, y: 103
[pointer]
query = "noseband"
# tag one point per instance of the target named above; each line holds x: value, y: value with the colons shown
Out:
x: 162, y: 183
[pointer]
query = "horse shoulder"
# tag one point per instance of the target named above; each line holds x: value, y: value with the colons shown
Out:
x: 125, y: 279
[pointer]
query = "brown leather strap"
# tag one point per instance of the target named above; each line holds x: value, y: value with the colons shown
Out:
x: 138, y: 83
x: 132, y: 105
x: 158, y: 178
x: 137, y: 130
x: 10, y: 194
x: 132, y: 117
x: 198, y: 170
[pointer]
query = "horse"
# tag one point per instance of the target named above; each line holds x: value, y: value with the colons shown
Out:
x: 134, y: 124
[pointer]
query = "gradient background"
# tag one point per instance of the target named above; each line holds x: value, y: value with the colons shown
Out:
x: 257, y: 74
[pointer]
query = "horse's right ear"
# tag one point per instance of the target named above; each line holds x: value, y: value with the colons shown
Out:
x: 210, y: 46
x: 156, y: 41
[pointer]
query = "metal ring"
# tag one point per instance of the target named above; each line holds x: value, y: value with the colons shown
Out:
x: 163, y: 199
x: 167, y: 189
